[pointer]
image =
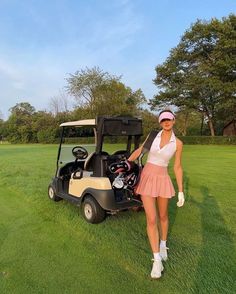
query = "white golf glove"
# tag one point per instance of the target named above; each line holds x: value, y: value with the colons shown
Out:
x: 180, y: 199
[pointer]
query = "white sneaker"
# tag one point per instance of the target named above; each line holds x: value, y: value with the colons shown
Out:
x: 163, y: 253
x: 157, y: 268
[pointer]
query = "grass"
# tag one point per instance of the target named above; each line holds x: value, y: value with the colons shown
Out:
x: 47, y: 247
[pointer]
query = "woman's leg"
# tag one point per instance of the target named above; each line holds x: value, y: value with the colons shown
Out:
x: 149, y: 204
x: 163, y: 216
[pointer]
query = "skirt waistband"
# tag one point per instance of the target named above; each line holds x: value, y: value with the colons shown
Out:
x: 154, y: 168
x: 155, y: 165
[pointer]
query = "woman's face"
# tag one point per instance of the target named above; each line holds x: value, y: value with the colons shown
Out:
x: 167, y: 124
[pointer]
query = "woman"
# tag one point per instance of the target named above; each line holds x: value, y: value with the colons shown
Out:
x: 155, y: 186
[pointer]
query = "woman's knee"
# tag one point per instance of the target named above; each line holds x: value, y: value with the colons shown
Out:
x: 163, y: 217
x: 150, y: 210
x: 151, y: 221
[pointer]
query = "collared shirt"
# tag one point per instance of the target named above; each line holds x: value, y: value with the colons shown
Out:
x: 162, y: 156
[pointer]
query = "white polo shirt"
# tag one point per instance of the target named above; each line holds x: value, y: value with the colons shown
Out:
x: 162, y: 156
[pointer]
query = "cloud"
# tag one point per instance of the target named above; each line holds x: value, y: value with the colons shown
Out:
x: 50, y: 46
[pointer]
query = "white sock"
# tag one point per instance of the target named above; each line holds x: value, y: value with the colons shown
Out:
x: 163, y: 243
x: 156, y: 255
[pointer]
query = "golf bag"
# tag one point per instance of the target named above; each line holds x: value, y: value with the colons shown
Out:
x: 128, y: 171
x: 121, y: 166
x: 128, y: 174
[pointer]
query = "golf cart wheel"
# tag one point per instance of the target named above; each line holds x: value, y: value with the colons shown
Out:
x: 92, y: 211
x: 52, y: 195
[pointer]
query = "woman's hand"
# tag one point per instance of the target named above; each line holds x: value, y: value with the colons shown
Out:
x: 181, y: 199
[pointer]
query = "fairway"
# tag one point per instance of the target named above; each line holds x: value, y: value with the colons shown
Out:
x: 47, y: 247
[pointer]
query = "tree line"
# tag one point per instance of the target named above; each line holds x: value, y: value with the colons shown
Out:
x: 197, y: 81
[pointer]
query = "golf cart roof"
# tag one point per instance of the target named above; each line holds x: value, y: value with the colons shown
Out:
x: 79, y: 123
x: 110, y: 126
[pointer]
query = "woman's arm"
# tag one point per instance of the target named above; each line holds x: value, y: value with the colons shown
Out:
x: 178, y: 166
x: 135, y: 154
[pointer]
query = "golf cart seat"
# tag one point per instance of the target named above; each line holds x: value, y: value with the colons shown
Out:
x: 88, y: 161
x: 97, y: 163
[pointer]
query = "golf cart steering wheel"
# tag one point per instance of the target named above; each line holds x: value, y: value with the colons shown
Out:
x: 80, y: 152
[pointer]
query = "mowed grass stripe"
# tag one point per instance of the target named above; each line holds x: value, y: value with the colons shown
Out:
x: 47, y: 247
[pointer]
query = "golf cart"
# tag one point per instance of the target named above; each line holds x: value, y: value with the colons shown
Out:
x: 84, y: 174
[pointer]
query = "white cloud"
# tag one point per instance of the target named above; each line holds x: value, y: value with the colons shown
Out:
x: 35, y: 74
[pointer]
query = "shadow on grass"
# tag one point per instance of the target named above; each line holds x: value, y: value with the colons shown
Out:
x: 173, y: 209
x: 214, y: 273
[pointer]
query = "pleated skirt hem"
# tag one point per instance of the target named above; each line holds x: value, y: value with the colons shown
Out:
x: 155, y: 181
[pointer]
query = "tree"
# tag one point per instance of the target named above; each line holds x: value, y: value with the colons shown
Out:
x: 149, y: 122
x: 1, y: 129
x: 99, y: 93
x: 44, y: 127
x: 60, y: 103
x: 188, y: 122
x: 22, y: 108
x: 199, y: 73
x: 84, y: 83
x: 19, y: 123
x: 114, y: 98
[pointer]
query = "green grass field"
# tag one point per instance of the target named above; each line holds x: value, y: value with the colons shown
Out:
x: 47, y: 247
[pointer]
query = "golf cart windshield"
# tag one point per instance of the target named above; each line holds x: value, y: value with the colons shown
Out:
x: 76, y: 136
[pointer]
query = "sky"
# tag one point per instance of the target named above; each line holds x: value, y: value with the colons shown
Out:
x: 42, y: 42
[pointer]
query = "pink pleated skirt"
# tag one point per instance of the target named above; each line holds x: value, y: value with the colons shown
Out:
x: 155, y: 181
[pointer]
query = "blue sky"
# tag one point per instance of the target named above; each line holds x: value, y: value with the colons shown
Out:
x: 41, y: 42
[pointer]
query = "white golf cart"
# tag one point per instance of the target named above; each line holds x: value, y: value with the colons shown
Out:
x: 83, y: 175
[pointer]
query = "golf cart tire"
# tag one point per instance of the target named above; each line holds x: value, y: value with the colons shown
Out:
x: 52, y: 195
x: 92, y: 211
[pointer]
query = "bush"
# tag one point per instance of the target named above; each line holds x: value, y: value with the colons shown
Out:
x: 47, y: 136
